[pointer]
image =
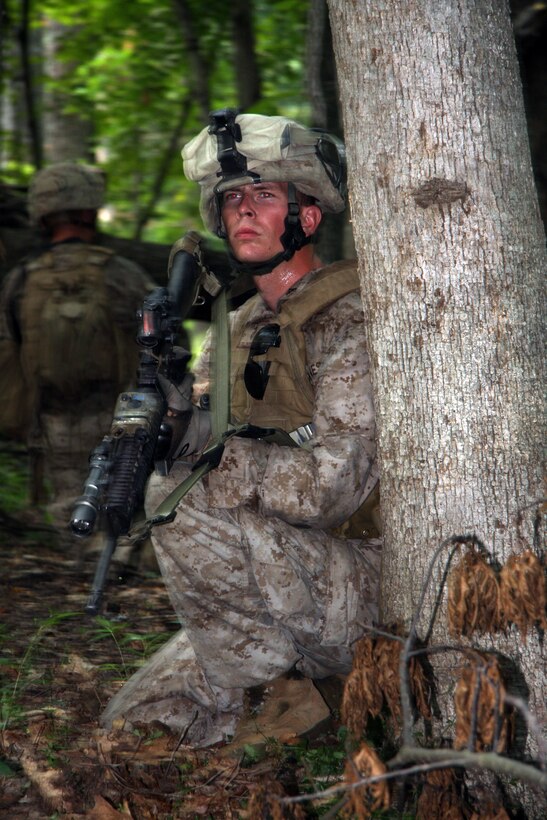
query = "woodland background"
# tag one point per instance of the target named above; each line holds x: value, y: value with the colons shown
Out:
x: 126, y: 86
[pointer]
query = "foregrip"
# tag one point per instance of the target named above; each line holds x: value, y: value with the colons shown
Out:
x: 120, y: 465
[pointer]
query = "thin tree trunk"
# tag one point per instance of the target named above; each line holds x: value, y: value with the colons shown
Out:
x: 146, y: 212
x: 32, y: 120
x: 335, y: 237
x: 246, y: 68
x: 199, y: 68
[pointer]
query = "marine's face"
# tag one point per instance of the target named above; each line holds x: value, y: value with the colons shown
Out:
x: 254, y: 219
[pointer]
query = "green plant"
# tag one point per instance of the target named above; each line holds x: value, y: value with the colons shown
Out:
x: 10, y: 691
x: 13, y: 476
x: 133, y: 649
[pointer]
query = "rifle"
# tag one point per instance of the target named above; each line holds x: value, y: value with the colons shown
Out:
x: 122, y: 462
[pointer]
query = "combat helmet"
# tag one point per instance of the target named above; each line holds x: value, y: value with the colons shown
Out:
x: 66, y: 186
x: 242, y: 149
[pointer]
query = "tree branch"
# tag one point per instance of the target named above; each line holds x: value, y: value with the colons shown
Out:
x: 163, y: 169
x: 472, y: 760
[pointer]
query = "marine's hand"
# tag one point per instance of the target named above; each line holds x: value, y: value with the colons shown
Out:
x: 185, y: 428
x: 178, y: 395
x: 172, y: 430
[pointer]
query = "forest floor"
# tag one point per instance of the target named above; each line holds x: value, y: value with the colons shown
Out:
x: 59, y: 667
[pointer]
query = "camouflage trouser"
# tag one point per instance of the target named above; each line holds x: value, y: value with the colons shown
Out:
x: 257, y: 597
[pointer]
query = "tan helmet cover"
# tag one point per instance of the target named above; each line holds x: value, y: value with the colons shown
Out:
x: 277, y: 150
x: 66, y: 186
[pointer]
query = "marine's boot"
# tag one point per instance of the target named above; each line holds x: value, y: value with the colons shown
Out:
x: 291, y: 708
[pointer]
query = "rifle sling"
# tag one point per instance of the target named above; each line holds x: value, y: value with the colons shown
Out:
x: 221, y: 428
x: 220, y: 409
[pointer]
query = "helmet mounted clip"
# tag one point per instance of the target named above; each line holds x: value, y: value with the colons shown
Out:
x: 222, y: 124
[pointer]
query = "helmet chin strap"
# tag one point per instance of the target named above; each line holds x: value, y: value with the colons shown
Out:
x: 292, y: 240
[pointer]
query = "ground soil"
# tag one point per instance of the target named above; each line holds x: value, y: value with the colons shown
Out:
x: 59, y: 667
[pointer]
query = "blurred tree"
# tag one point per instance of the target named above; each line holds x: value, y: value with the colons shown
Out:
x: 67, y: 133
x: 142, y: 78
x: 530, y: 27
x: 246, y: 66
x: 335, y: 236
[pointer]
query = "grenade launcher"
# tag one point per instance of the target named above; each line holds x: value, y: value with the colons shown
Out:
x: 122, y: 462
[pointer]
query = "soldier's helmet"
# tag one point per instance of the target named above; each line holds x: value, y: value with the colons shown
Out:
x: 66, y: 186
x: 241, y: 149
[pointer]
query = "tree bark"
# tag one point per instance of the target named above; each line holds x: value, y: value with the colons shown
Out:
x: 451, y: 252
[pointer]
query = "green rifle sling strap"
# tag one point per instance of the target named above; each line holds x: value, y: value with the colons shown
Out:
x: 220, y: 395
x: 221, y: 428
x: 220, y: 412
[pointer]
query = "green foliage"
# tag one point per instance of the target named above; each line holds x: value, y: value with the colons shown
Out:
x: 5, y: 770
x: 132, y: 75
x: 133, y: 648
x: 13, y: 477
x: 10, y: 690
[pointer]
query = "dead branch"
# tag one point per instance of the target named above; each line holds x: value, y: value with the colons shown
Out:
x: 473, y: 760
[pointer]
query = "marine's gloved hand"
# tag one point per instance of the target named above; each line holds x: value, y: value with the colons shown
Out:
x: 177, y: 394
x: 176, y: 365
x: 185, y: 428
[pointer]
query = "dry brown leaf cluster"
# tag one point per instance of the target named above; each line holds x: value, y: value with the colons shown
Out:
x: 490, y: 811
x: 522, y: 592
x: 440, y: 797
x: 375, y: 679
x: 482, y: 719
x: 362, y: 694
x: 473, y: 596
x: 264, y: 802
x: 363, y: 800
x: 480, y: 600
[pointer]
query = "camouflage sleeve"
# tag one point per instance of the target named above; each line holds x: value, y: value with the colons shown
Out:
x: 128, y: 283
x: 322, y: 487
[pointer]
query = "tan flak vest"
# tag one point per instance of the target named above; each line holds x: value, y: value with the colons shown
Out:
x: 289, y: 400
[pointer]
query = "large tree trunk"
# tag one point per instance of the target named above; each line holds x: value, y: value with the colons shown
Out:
x: 451, y: 252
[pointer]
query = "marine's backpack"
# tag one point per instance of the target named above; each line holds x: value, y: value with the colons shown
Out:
x: 69, y: 338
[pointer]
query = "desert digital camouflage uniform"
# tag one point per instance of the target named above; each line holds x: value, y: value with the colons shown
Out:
x: 62, y: 426
x: 259, y: 580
